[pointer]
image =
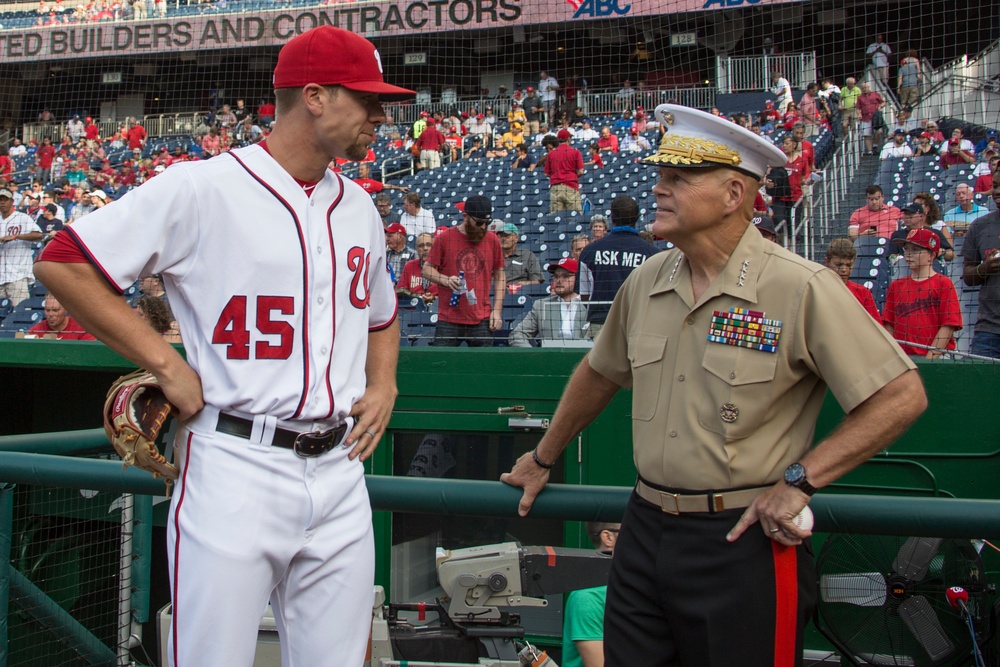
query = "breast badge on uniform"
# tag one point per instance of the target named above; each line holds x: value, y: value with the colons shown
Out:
x: 729, y: 413
x: 745, y: 328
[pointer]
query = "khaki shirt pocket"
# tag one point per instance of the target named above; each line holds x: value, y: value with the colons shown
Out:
x: 645, y: 354
x: 738, y: 386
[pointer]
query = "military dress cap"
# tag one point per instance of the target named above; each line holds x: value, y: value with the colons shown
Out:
x: 694, y: 138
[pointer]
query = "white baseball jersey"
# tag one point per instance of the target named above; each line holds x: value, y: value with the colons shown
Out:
x: 16, y: 256
x: 256, y: 280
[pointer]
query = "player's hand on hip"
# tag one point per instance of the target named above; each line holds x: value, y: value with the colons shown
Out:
x: 527, y: 475
x: 496, y: 322
x: 371, y: 416
x: 182, y: 387
x: 775, y: 511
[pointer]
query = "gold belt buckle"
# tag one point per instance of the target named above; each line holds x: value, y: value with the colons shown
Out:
x: 716, y: 502
x: 664, y: 505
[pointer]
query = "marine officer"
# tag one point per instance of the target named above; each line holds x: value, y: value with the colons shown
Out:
x: 729, y: 343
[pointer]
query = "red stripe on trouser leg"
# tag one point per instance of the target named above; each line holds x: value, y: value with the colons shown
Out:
x: 786, y: 604
x: 177, y: 549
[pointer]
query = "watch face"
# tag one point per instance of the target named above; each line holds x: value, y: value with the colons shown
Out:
x: 794, y: 474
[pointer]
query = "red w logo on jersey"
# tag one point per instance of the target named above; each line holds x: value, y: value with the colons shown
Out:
x: 358, y: 262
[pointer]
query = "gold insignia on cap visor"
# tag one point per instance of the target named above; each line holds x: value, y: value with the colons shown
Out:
x: 678, y: 149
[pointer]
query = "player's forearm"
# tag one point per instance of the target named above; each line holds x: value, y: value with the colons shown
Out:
x: 586, y: 395
x: 871, y: 426
x: 383, y: 355
x: 91, y: 301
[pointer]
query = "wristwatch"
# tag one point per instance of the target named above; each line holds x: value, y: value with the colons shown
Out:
x: 795, y: 475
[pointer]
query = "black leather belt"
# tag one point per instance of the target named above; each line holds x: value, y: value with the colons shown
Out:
x: 306, y: 445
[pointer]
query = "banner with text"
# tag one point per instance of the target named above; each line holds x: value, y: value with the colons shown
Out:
x: 374, y: 20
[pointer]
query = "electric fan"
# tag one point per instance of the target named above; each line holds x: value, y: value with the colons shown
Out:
x: 882, y: 599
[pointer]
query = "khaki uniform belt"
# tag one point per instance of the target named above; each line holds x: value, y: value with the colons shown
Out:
x: 680, y: 503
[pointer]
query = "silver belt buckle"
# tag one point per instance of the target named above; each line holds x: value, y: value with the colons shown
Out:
x: 664, y: 504
x: 313, y: 443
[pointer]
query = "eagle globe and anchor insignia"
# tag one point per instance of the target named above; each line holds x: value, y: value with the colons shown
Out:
x: 729, y: 413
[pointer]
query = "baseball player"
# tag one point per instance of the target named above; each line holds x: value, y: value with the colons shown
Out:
x: 17, y: 232
x: 275, y: 268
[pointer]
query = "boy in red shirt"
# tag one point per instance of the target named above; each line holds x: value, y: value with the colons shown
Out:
x: 840, y: 256
x: 923, y: 307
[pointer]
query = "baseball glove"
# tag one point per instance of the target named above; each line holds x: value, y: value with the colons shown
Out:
x: 134, y: 412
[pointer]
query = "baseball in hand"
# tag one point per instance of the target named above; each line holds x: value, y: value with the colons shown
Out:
x: 804, y: 519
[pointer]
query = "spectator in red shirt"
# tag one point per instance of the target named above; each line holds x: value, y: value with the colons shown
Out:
x: 57, y: 321
x: 136, y: 134
x: 922, y: 308
x: 806, y: 147
x: 956, y: 155
x: 413, y: 282
x: 429, y: 144
x: 875, y: 218
x: 179, y: 155
x: 607, y: 140
x: 6, y: 166
x: 473, y: 251
x: 840, y: 256
x: 91, y: 132
x: 127, y: 177
x: 868, y: 104
x: 985, y: 182
x: 211, y: 143
x: 265, y: 112
x: 595, y: 157
x: 44, y: 156
x: 372, y: 186
x: 564, y: 166
x: 796, y: 168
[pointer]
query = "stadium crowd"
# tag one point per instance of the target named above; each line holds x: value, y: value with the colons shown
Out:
x: 58, y: 180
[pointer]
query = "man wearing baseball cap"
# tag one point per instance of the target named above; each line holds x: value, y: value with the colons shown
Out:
x: 521, y: 266
x: 262, y: 251
x: 765, y: 225
x: 465, y: 261
x: 564, y: 167
x: 729, y: 343
x: 19, y: 232
x: 559, y: 316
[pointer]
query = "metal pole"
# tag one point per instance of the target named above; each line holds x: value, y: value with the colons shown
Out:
x: 126, y: 503
x: 6, y: 532
x: 69, y: 631
x: 881, y: 515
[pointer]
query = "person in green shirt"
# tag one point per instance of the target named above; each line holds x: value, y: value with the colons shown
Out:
x: 583, y: 616
x: 848, y: 99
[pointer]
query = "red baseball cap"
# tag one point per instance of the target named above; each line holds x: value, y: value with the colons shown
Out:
x: 563, y: 135
x: 925, y: 237
x: 567, y: 263
x: 330, y: 56
x: 395, y: 228
x: 634, y: 130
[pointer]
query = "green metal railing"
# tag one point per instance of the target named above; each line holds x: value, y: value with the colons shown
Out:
x: 881, y: 515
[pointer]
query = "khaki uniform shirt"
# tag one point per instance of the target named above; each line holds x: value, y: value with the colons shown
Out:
x: 712, y: 416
